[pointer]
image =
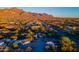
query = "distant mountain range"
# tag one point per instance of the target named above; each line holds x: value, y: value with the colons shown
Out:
x: 18, y: 15
x: 15, y: 14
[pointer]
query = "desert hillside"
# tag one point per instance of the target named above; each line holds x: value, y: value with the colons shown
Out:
x: 23, y: 31
x: 19, y: 16
x: 15, y: 14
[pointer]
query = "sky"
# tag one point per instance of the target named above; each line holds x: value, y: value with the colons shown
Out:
x: 55, y: 11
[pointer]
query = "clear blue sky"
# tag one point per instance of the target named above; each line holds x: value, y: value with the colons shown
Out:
x: 56, y: 11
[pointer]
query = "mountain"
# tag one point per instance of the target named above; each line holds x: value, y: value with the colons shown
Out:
x: 15, y: 15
